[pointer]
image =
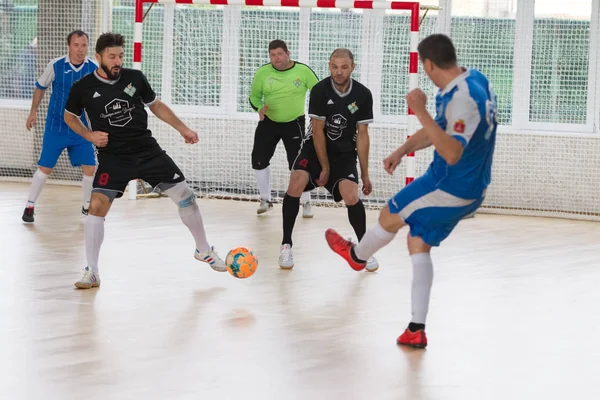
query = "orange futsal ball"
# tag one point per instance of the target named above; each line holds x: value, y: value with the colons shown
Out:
x: 241, y: 262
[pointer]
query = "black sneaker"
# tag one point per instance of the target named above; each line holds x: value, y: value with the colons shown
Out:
x: 28, y: 215
x: 84, y: 211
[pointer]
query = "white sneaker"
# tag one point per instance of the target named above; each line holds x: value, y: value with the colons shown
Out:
x: 264, y: 207
x: 372, y: 264
x: 211, y: 258
x: 88, y: 280
x: 286, y: 258
x: 307, y: 210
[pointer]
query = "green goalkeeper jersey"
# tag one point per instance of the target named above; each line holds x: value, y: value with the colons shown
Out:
x: 283, y: 91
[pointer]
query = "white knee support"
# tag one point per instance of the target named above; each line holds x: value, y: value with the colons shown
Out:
x: 184, y: 197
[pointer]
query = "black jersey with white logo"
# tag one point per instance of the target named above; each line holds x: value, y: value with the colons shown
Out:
x: 342, y: 113
x: 116, y: 107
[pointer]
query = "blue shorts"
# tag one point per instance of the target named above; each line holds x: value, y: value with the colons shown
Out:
x: 431, y: 213
x: 81, y: 152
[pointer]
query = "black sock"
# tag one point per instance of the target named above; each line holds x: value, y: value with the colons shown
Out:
x: 290, y: 208
x: 355, y: 258
x: 413, y: 327
x: 358, y: 219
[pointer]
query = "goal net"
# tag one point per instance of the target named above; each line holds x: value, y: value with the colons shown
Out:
x: 202, y: 58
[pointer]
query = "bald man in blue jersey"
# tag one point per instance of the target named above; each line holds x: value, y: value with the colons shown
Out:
x: 463, y: 134
x: 61, y: 73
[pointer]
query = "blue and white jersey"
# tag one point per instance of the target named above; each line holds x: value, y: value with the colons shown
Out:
x: 61, y: 74
x: 466, y: 110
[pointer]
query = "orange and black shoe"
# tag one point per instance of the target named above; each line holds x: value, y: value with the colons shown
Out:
x: 416, y: 339
x: 343, y: 247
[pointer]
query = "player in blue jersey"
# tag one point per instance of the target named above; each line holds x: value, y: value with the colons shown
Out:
x: 61, y: 73
x: 463, y: 135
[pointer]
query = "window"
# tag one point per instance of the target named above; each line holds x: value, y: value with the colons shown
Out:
x: 18, y: 45
x: 560, y: 62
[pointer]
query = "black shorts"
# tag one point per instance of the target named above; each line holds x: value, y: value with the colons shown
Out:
x: 341, y: 167
x: 153, y: 166
x: 268, y: 134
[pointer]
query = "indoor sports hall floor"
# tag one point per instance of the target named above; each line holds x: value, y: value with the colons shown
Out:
x: 515, y: 309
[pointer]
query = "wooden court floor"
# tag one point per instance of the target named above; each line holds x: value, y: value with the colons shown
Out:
x: 515, y: 310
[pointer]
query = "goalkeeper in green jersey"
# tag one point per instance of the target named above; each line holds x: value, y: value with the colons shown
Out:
x: 278, y: 95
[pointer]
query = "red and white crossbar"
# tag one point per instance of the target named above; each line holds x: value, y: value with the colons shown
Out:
x: 411, y: 6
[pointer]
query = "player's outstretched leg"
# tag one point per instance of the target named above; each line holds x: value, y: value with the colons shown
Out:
x: 374, y: 239
x: 37, y: 184
x: 190, y: 215
x: 414, y: 335
x: 94, y: 236
x: 291, y: 205
x: 358, y: 219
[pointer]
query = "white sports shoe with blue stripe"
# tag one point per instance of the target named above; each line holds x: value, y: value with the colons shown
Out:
x: 88, y: 280
x: 211, y: 258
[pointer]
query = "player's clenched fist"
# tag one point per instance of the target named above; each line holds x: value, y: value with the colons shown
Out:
x: 190, y: 136
x: 391, y: 162
x: 99, y: 138
x: 416, y: 100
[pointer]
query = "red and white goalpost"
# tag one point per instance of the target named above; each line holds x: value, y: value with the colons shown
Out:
x: 413, y: 8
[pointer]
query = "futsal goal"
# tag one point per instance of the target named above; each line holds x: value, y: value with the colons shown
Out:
x: 211, y: 48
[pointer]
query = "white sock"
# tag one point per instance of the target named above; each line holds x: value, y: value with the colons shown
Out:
x: 421, y: 286
x: 182, y: 195
x: 374, y: 239
x: 86, y: 188
x: 263, y: 178
x: 37, y: 184
x: 305, y: 198
x: 191, y: 217
x: 94, y: 235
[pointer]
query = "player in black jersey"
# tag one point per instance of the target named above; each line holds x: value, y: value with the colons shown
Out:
x: 340, y: 109
x: 113, y: 99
